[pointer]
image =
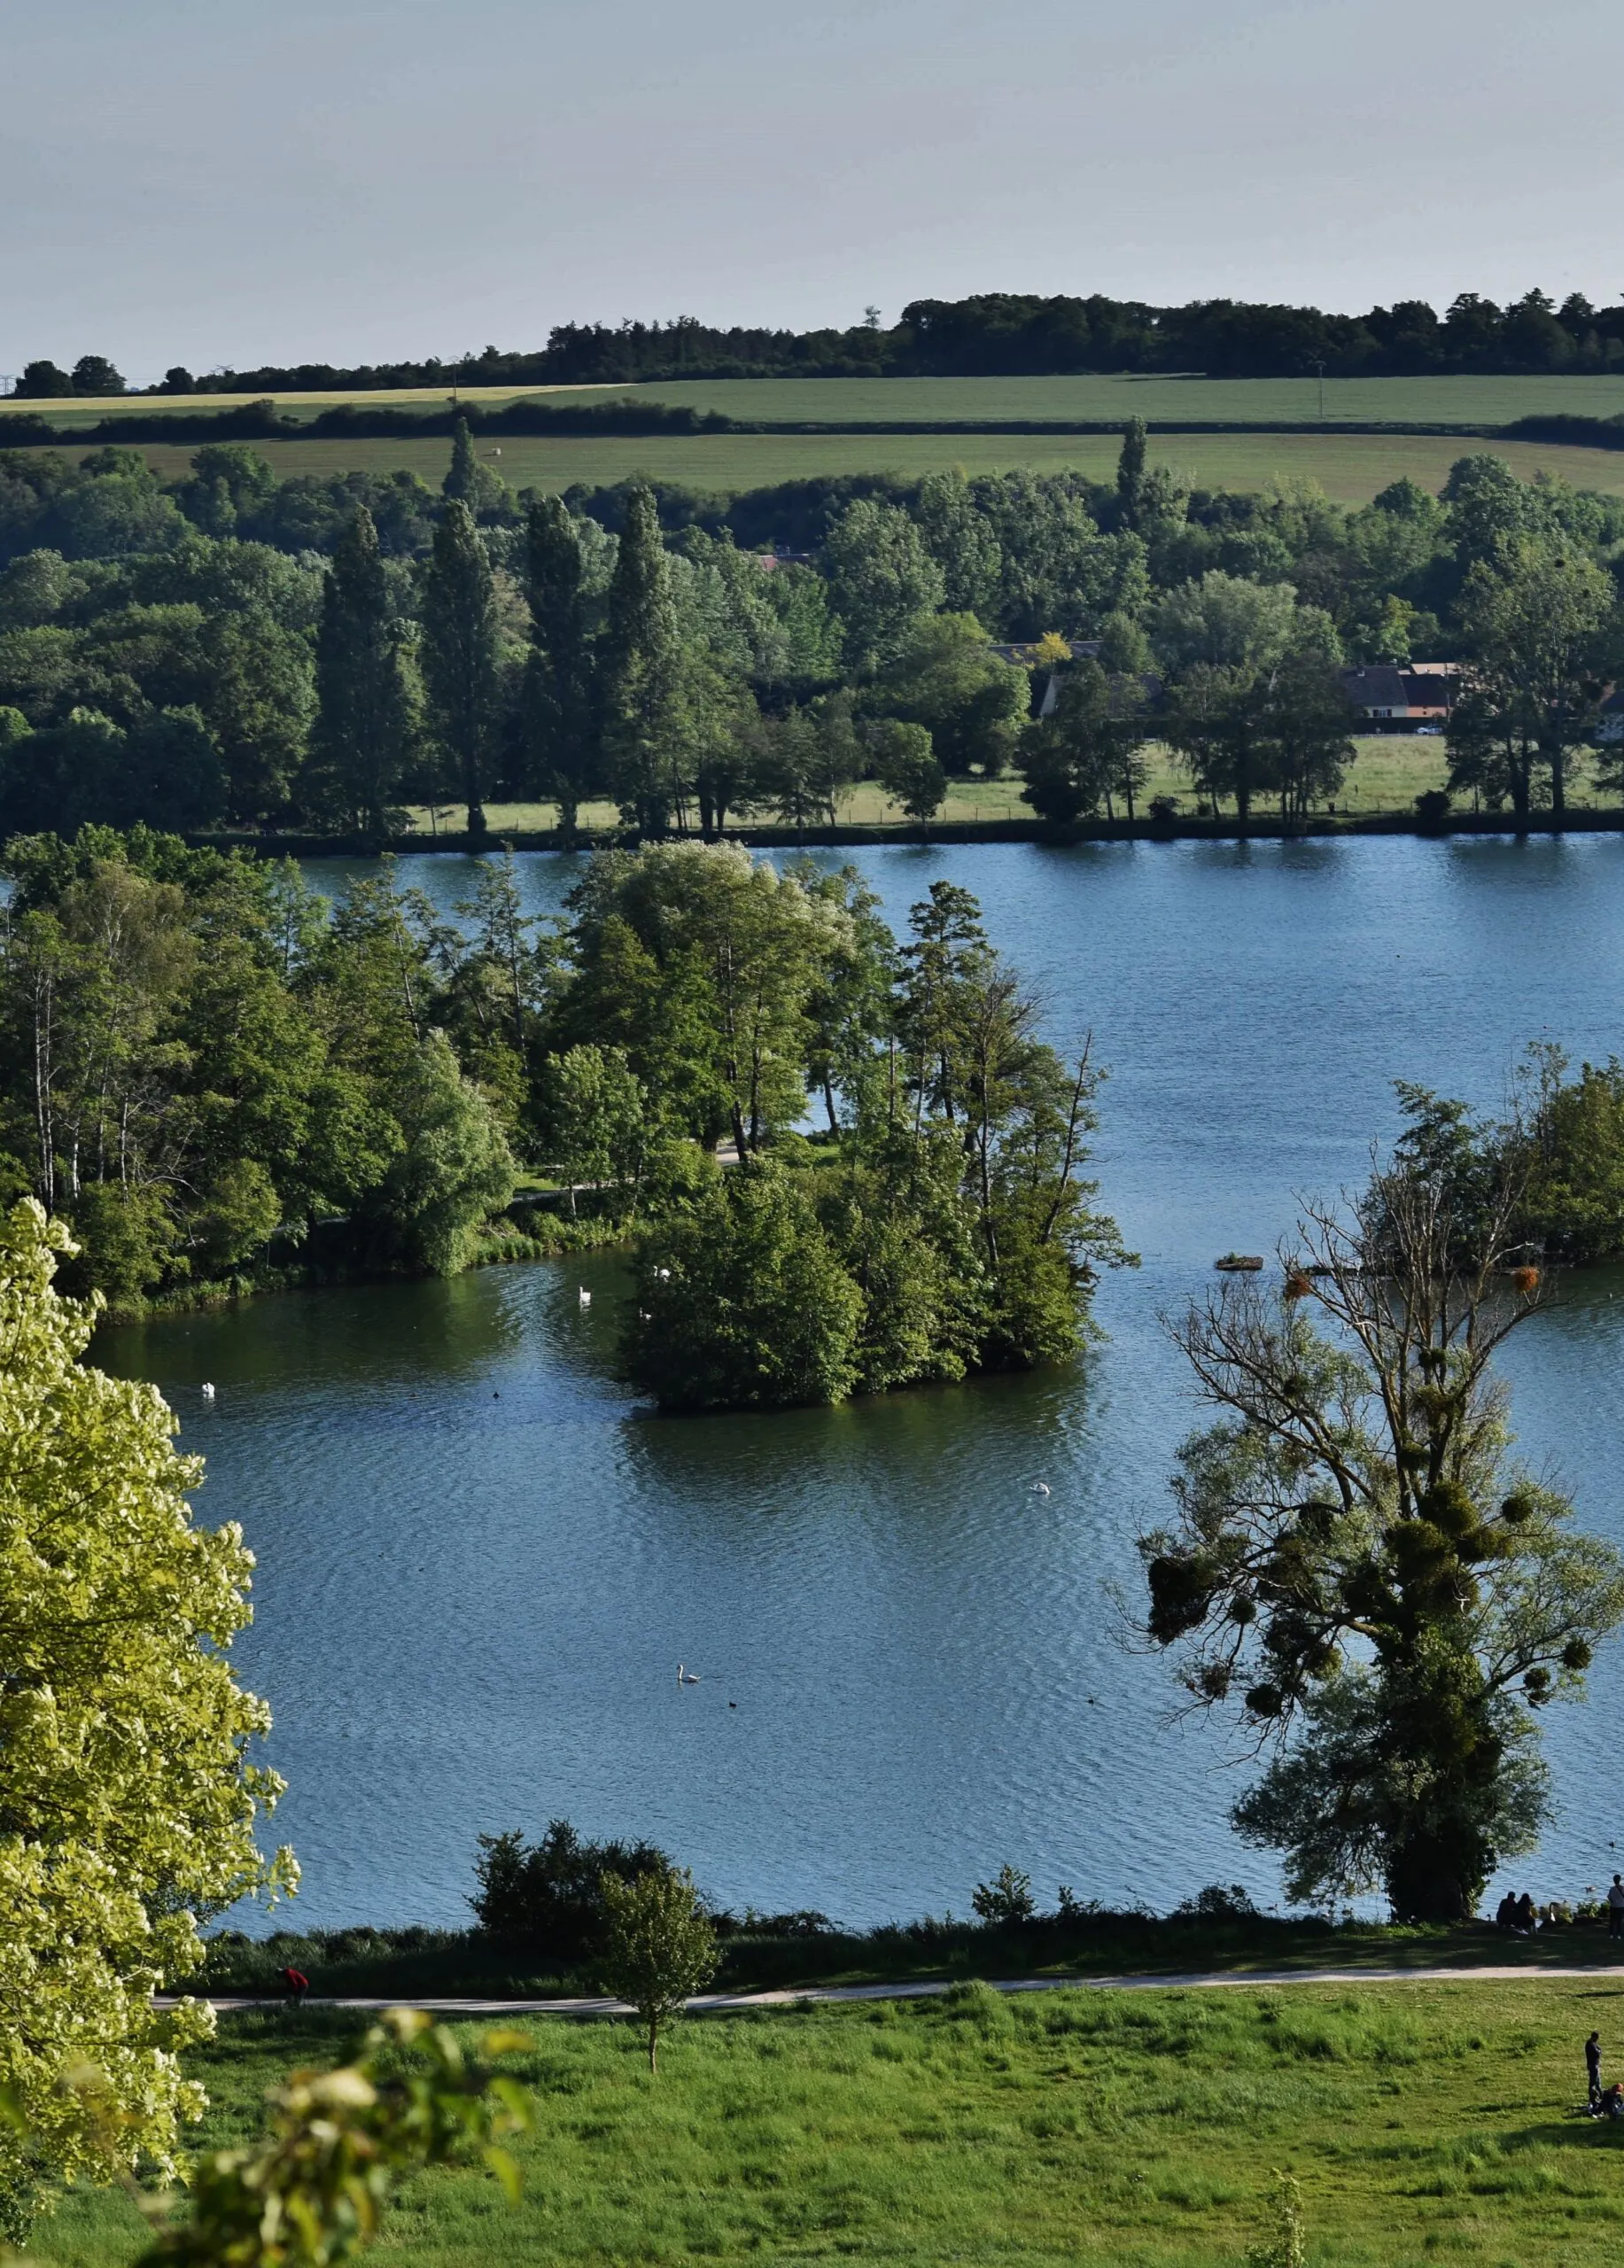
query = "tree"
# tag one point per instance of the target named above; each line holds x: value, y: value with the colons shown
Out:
x: 128, y: 1799
x: 44, y: 381
x: 1215, y: 724
x: 880, y: 578
x: 94, y: 374
x: 1538, y: 615
x: 742, y: 1302
x: 364, y: 719
x: 468, y: 481
x: 947, y: 677
x: 258, y: 700
x: 1223, y: 622
x: 558, y: 696
x: 906, y: 767
x: 547, y: 1897
x: 642, y: 669
x: 454, y: 1170
x: 596, y: 1110
x: 1088, y: 751
x: 1130, y: 474
x: 963, y: 543
x: 459, y: 654
x: 660, y: 1947
x: 1308, y: 727
x: 1354, y: 1553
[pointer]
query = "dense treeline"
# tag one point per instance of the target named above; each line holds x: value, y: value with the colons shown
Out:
x: 232, y: 649
x: 993, y: 333
x: 212, y: 1073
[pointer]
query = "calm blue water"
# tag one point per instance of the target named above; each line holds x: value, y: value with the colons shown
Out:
x: 479, y: 1565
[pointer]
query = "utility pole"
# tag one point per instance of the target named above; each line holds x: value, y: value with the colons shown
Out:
x: 1320, y: 369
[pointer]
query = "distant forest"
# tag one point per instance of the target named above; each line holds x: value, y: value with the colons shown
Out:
x: 996, y: 334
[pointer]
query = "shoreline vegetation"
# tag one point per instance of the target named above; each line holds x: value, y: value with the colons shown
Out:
x: 219, y: 1079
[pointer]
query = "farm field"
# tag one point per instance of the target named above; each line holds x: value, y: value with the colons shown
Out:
x: 903, y: 401
x: 1389, y: 772
x: 1351, y: 468
x: 1139, y: 2129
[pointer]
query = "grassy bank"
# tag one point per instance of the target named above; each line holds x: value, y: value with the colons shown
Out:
x: 1422, y: 2122
x: 1351, y: 468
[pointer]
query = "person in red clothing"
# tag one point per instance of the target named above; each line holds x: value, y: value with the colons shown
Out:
x: 297, y: 1983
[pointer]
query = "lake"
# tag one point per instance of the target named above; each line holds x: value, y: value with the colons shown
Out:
x: 480, y: 1564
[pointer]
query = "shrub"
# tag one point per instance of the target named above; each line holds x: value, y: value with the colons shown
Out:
x: 548, y: 1898
x: 1007, y: 1897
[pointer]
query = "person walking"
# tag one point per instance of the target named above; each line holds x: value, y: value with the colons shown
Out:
x: 1593, y: 2067
x: 1615, y: 1908
x: 297, y: 1983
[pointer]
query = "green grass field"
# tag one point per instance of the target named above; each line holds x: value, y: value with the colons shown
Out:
x: 1390, y: 770
x: 1424, y: 2122
x: 1352, y: 467
x: 1262, y: 401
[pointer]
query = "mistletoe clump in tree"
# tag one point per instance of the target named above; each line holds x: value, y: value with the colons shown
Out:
x: 1357, y: 1563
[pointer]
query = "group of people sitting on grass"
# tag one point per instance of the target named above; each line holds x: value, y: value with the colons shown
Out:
x: 1523, y: 1916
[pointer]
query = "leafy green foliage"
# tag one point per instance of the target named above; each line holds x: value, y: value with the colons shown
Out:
x: 127, y: 1799
x: 312, y: 2194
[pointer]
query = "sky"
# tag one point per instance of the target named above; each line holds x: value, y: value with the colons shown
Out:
x: 221, y: 183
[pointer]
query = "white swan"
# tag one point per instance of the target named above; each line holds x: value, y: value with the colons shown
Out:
x: 686, y: 1676
x: 207, y: 1392
x: 584, y: 1296
x: 1038, y: 1488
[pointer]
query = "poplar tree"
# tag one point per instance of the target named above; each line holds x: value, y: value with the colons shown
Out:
x: 1130, y: 474
x: 459, y: 653
x: 364, y: 722
x: 641, y: 711
x: 468, y: 481
x: 559, y: 722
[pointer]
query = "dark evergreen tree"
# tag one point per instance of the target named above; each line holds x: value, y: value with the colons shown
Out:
x: 364, y: 720
x: 561, y: 740
x: 459, y: 654
x: 1131, y: 474
x: 468, y: 481
x: 641, y: 675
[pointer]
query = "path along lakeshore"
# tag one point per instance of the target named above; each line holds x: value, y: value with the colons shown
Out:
x: 718, y: 2004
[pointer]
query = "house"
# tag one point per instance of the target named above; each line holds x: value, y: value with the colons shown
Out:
x: 1419, y: 693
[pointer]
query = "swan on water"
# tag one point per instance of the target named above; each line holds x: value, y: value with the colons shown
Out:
x: 208, y: 1392
x: 686, y: 1676
x: 584, y: 1296
x: 1038, y: 1488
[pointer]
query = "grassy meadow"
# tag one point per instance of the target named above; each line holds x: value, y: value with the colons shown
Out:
x: 904, y: 401
x: 1143, y: 2129
x: 1352, y: 467
x: 1388, y: 774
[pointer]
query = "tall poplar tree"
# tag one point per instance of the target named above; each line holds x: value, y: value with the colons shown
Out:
x: 559, y: 720
x: 641, y: 707
x: 459, y: 653
x: 364, y: 720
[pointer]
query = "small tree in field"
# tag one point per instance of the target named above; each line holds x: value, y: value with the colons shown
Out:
x: 660, y: 1946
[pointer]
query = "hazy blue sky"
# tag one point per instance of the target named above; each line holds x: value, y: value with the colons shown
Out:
x: 215, y: 181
